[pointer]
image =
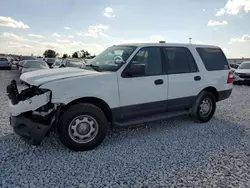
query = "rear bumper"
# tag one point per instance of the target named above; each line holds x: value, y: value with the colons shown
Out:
x: 32, y: 132
x: 224, y: 94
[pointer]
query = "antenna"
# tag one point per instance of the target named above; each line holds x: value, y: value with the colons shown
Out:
x: 190, y: 40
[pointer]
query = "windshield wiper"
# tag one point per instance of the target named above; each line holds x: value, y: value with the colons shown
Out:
x: 95, y: 67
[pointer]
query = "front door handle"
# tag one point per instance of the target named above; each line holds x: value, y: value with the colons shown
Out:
x: 197, y: 78
x: 159, y: 82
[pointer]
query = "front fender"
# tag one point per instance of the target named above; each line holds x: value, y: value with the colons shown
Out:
x: 104, y: 87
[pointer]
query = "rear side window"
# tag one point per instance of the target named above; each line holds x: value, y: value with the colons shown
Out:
x: 180, y: 60
x: 213, y: 59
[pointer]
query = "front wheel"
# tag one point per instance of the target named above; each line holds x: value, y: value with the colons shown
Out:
x: 204, y: 107
x: 82, y: 127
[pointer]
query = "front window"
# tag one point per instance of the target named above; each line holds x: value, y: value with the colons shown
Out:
x: 244, y: 66
x: 28, y: 58
x: 35, y: 64
x: 105, y: 60
x: 76, y: 64
x: 58, y: 62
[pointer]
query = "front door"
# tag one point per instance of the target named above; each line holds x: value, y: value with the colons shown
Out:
x: 145, y: 92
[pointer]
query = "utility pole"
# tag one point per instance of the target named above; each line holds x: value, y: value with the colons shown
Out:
x: 190, y: 40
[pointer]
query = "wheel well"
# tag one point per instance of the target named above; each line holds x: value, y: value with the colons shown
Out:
x: 213, y: 91
x: 95, y: 101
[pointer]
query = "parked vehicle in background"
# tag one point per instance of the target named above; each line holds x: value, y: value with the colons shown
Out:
x: 24, y: 58
x: 33, y: 65
x: 74, y: 63
x: 4, y: 63
x: 125, y: 85
x: 242, y: 73
x: 57, y: 63
x: 50, y: 61
x: 234, y: 66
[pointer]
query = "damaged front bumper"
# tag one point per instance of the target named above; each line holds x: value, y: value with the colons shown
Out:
x: 32, y: 114
x: 32, y: 132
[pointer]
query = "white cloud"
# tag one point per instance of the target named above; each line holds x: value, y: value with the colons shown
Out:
x: 37, y: 36
x: 244, y: 38
x: 67, y: 28
x: 108, y: 12
x: 103, y: 34
x: 216, y: 23
x: 63, y: 41
x: 11, y: 36
x: 234, y: 7
x: 56, y: 35
x: 71, y: 36
x: 203, y: 10
x: 80, y: 33
x: 18, y: 45
x: 9, y: 22
x: 23, y: 46
x: 96, y: 30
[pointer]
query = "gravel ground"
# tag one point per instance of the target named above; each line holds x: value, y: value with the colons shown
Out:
x: 173, y: 153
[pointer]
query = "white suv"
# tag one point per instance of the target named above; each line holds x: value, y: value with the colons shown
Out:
x: 124, y: 85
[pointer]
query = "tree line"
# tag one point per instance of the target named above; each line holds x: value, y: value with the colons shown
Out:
x: 78, y: 54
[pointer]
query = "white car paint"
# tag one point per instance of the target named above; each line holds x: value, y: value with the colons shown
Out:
x: 43, y: 76
x: 30, y: 104
x: 69, y: 84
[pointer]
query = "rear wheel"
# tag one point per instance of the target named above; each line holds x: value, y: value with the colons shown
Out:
x: 204, y: 107
x: 82, y: 127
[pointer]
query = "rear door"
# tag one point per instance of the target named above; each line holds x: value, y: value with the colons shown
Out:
x: 185, y: 80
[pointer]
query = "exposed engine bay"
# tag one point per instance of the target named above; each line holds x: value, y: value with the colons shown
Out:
x: 31, y: 102
x: 33, y: 116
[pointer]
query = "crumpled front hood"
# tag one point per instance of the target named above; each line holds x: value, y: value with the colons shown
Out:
x: 37, y: 78
x: 246, y: 71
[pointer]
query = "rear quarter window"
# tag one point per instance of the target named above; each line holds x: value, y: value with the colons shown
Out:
x: 213, y: 58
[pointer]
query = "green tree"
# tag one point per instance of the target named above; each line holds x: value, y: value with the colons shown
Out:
x: 65, y: 56
x: 87, y: 54
x: 75, y: 55
x: 50, y: 53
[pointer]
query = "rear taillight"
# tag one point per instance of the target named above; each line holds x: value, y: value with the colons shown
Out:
x: 230, y: 77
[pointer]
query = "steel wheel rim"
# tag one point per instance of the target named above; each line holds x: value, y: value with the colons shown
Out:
x: 206, y: 107
x: 83, y: 129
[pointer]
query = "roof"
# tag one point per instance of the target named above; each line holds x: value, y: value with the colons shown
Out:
x: 168, y: 44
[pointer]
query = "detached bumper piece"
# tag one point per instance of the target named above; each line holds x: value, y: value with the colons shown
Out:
x: 12, y: 92
x: 31, y: 132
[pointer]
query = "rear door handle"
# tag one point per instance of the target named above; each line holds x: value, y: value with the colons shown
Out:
x: 159, y: 82
x: 197, y: 78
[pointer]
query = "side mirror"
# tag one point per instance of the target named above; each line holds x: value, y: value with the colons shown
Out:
x: 118, y: 60
x: 136, y: 70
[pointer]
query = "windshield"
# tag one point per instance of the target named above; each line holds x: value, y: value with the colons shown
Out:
x: 58, y: 62
x: 28, y: 58
x: 105, y: 60
x: 77, y: 64
x: 36, y: 64
x: 245, y: 65
x: 51, y: 60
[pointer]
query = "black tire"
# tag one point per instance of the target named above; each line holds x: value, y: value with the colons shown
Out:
x: 82, y: 109
x: 196, y: 109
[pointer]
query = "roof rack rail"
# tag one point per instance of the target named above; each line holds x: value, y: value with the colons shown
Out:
x: 162, y: 41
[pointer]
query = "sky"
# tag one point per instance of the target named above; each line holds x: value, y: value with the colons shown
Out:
x: 66, y: 26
